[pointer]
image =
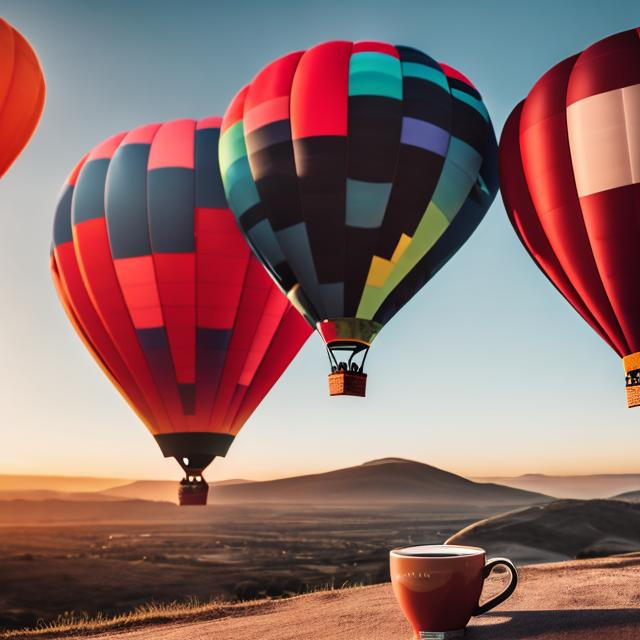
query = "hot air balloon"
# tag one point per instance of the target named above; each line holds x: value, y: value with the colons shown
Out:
x: 356, y: 170
x: 160, y: 285
x: 570, y: 174
x: 21, y: 94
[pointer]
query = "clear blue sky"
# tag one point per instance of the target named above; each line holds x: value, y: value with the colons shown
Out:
x: 486, y: 371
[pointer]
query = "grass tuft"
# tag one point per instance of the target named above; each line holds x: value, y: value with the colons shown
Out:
x: 191, y: 610
x: 83, y: 624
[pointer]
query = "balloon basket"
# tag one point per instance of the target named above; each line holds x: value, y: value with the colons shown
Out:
x: 633, y: 396
x: 193, y: 493
x: 347, y: 383
x: 632, y: 370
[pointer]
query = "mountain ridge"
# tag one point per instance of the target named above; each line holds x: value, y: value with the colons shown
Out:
x: 387, y: 481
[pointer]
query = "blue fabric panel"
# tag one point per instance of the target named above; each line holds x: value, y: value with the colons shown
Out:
x: 126, y: 202
x: 170, y: 199
x: 88, y: 196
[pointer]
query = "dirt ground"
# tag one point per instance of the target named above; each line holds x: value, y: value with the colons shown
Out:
x: 577, y: 600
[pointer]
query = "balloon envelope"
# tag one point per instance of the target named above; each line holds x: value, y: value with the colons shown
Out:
x: 570, y: 179
x: 356, y: 170
x: 161, y: 286
x: 22, y: 94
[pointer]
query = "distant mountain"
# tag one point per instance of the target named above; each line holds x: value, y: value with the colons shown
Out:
x: 389, y: 480
x: 71, y: 484
x: 558, y: 530
x: 581, y: 487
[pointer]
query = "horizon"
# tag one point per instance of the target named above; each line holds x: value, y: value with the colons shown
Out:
x: 486, y: 372
x: 315, y: 472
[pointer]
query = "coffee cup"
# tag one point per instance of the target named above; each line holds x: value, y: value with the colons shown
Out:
x: 438, y: 587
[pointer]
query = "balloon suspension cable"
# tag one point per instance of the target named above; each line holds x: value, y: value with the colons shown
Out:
x: 353, y: 349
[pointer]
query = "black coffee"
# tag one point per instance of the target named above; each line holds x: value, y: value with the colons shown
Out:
x: 432, y: 555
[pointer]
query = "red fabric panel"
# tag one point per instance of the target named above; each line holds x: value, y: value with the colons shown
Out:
x: 235, y: 110
x: 546, y: 160
x: 319, y: 94
x: 141, y: 135
x: 212, y: 122
x: 138, y: 284
x: 99, y: 276
x: 612, y: 219
x: 173, y: 145
x: 239, y: 394
x: 288, y: 340
x: 379, y: 47
x: 106, y: 149
x: 274, y: 81
x: 176, y: 281
x: 265, y: 113
x: 526, y: 224
x: 272, y: 313
x: 222, y: 257
x: 450, y: 72
x: 92, y: 330
x: 609, y: 64
x: 255, y: 293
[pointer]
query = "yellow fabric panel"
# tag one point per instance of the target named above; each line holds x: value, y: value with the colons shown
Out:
x: 401, y: 247
x: 378, y: 272
x: 431, y: 227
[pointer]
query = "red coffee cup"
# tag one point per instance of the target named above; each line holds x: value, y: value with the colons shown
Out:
x: 438, y: 587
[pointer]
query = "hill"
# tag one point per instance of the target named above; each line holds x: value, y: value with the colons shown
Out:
x: 64, y: 484
x: 558, y: 530
x: 585, y: 487
x: 629, y: 496
x: 385, y: 481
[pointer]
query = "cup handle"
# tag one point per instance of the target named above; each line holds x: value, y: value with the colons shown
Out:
x: 501, y: 597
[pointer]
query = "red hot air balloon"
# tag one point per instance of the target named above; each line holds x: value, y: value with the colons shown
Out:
x: 160, y: 285
x: 570, y: 180
x: 21, y: 94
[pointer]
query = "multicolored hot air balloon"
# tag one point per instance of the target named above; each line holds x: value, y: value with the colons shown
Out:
x: 21, y: 94
x: 162, y: 288
x: 356, y: 170
x: 570, y: 179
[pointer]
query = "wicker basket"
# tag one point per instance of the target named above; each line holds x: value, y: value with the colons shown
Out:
x: 347, y: 383
x: 633, y: 396
x: 193, y: 494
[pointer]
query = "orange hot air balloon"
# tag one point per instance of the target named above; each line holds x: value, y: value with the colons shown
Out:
x: 21, y: 94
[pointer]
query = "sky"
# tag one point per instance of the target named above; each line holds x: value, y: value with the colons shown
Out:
x: 487, y: 371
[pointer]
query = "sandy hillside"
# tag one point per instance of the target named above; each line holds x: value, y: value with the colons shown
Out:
x: 560, y: 530
x: 578, y: 600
